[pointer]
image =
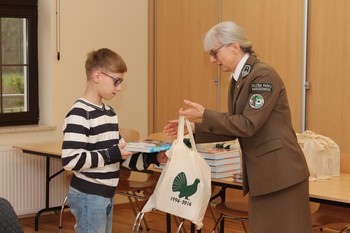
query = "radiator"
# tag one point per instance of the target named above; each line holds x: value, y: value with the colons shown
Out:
x: 22, y: 180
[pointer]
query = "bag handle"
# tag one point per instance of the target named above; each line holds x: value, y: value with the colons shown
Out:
x: 180, y: 131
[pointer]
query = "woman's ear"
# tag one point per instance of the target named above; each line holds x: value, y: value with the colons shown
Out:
x: 235, y: 47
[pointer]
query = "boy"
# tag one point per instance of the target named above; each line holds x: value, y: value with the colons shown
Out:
x: 93, y: 148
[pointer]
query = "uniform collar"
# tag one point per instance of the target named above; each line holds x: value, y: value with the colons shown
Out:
x: 239, y: 67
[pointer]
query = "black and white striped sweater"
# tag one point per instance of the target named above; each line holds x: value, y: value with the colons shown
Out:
x: 90, y: 149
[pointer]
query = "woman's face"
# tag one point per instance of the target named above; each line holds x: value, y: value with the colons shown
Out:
x: 227, y: 57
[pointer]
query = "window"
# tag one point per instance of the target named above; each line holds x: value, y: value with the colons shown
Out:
x: 19, y: 104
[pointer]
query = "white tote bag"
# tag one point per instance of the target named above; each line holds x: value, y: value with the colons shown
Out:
x: 184, y: 187
x: 322, y: 155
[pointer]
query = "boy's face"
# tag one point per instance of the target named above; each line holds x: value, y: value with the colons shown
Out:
x: 109, y: 83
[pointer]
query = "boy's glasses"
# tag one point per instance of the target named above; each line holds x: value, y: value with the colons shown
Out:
x: 117, y: 81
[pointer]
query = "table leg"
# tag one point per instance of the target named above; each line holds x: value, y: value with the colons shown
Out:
x: 168, y: 223
x: 223, y: 198
x: 193, y: 229
x: 47, y: 194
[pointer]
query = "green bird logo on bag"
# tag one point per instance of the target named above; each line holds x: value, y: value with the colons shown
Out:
x: 180, y: 185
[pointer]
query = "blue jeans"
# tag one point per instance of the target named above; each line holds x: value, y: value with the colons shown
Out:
x: 93, y: 214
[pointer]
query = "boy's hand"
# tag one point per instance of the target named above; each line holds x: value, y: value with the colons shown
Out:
x: 161, y: 157
x: 171, y: 128
x: 125, y: 154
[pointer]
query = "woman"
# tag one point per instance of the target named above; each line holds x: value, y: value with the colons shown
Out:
x: 275, y: 172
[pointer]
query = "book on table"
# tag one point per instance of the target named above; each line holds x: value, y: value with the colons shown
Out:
x: 224, y: 163
x: 216, y: 162
x: 225, y: 174
x: 225, y: 170
x: 147, y: 146
x: 225, y: 167
x: 215, y: 153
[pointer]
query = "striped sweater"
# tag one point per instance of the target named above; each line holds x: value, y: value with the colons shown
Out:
x: 90, y: 149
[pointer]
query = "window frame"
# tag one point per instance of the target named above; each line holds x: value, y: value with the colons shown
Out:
x: 25, y: 9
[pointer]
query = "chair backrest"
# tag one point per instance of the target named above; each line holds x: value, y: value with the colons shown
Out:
x: 8, y: 218
x: 160, y: 136
x: 129, y: 134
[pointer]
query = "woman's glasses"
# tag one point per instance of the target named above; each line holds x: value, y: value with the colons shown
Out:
x: 214, y: 52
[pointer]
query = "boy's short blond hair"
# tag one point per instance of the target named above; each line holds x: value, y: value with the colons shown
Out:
x: 106, y: 60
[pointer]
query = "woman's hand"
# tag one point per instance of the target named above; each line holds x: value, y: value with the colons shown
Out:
x: 195, y: 111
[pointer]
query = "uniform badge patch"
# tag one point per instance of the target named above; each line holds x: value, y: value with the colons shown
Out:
x: 256, y: 101
x: 246, y: 70
x: 260, y: 87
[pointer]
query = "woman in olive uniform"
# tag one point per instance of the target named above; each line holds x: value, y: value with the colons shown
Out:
x: 275, y: 173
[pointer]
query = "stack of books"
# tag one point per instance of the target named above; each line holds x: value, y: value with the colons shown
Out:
x: 224, y: 163
x: 238, y: 177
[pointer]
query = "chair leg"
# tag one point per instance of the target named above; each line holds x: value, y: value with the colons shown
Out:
x: 217, y: 223
x: 180, y: 226
x: 134, y: 208
x: 244, y: 227
x: 345, y: 229
x: 177, y: 221
x: 139, y: 207
x: 213, y: 215
x: 137, y: 222
x: 61, y: 212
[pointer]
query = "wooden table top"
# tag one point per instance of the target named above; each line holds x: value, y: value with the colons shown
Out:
x: 337, y: 188
x: 334, y: 189
x: 51, y: 148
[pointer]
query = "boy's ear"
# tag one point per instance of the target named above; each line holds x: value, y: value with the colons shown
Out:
x: 95, y: 76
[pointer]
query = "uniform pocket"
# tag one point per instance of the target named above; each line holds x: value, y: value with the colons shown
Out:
x: 268, y: 147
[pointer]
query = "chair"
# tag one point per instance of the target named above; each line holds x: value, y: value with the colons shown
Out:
x: 8, y: 218
x: 64, y: 204
x: 133, y: 188
x: 129, y: 134
x: 147, y: 192
x: 327, y: 217
x: 160, y: 137
x: 236, y: 210
x: 124, y: 188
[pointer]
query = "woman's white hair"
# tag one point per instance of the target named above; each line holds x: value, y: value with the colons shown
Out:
x: 226, y: 33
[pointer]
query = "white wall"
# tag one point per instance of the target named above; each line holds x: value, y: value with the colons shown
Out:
x: 87, y: 25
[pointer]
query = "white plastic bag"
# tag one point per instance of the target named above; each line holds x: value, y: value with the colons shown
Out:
x: 322, y: 155
x: 184, y: 187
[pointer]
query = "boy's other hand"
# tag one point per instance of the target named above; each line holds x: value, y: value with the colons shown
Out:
x: 161, y: 157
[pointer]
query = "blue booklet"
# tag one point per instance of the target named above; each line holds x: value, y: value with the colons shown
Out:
x: 147, y: 146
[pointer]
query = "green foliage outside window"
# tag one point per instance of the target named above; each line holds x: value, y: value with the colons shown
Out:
x: 19, y: 93
x: 12, y: 58
x: 13, y: 84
